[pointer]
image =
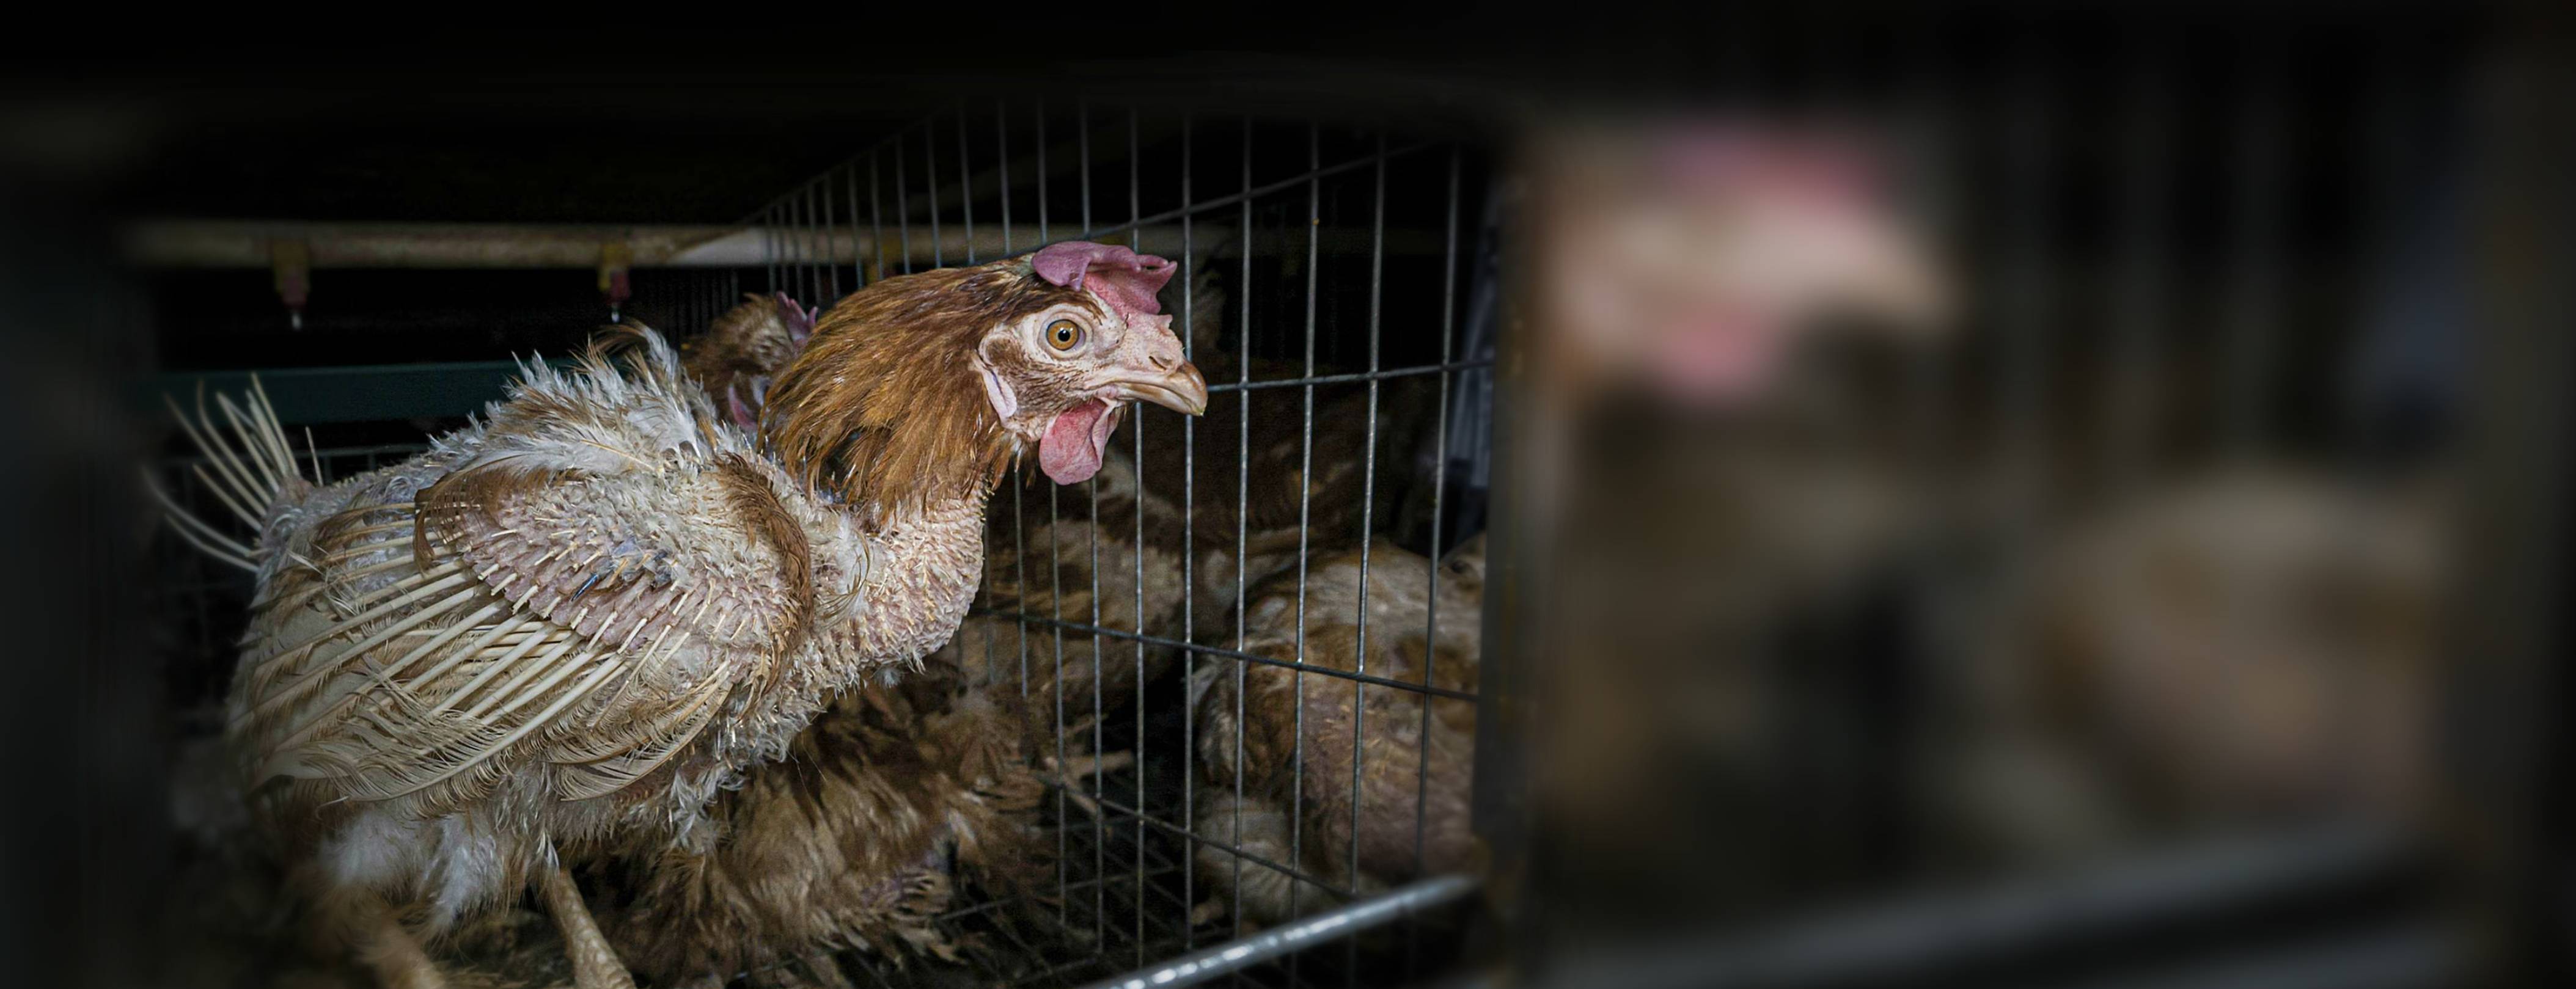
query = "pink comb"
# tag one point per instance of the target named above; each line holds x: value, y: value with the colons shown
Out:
x: 799, y: 320
x: 1125, y: 278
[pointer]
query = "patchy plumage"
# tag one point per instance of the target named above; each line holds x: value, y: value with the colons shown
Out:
x: 1250, y: 754
x: 855, y: 840
x: 587, y: 614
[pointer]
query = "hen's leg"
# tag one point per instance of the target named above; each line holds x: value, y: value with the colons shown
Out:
x: 594, y: 964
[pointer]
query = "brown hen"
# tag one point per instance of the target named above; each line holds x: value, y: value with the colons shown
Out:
x: 1370, y: 793
x: 743, y: 351
x: 582, y: 618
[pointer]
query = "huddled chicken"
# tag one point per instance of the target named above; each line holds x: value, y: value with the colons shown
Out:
x: 573, y: 625
x: 2246, y: 645
x: 1353, y: 785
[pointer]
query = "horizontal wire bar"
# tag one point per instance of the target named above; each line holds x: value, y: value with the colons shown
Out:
x: 1071, y: 626
x: 1335, y: 379
x: 1255, y: 949
x: 1936, y: 932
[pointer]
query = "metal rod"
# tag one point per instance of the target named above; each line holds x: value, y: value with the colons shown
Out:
x: 1242, y: 496
x: 930, y: 179
x: 1305, y: 511
x: 1368, y: 493
x: 1189, y: 538
x: 1135, y: 207
x: 1099, y: 775
x: 858, y: 255
x: 1288, y: 939
x: 965, y: 183
x: 902, y: 207
x: 1922, y: 936
x: 1439, y: 490
x: 876, y: 221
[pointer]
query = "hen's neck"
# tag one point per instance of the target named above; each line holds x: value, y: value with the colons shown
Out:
x: 907, y: 583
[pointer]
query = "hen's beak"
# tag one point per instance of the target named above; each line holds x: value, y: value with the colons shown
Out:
x: 1181, y: 389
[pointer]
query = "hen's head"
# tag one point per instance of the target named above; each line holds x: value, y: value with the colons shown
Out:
x: 923, y: 387
x: 743, y: 351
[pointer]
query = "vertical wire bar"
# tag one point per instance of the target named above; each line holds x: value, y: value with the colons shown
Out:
x: 1082, y: 159
x: 1002, y: 161
x: 1932, y: 391
x: 1055, y: 566
x: 902, y: 206
x: 1019, y: 477
x: 2137, y: 313
x: 1189, y: 551
x: 858, y: 257
x: 2250, y: 309
x: 1055, y: 576
x: 965, y: 183
x: 2024, y: 296
x: 807, y: 286
x: 1135, y: 217
x: 1242, y: 497
x: 1099, y: 718
x: 791, y: 252
x: 1368, y: 526
x: 769, y: 245
x: 966, y: 191
x: 2253, y: 301
x: 795, y: 244
x: 930, y: 181
x: 1041, y: 165
x: 2383, y: 140
x: 1431, y: 593
x: 1305, y: 508
x: 876, y: 220
x: 827, y: 227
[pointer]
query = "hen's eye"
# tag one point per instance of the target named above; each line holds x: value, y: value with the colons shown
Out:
x: 1063, y: 334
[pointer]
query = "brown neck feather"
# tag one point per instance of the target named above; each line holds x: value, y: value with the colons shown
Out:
x: 883, y: 411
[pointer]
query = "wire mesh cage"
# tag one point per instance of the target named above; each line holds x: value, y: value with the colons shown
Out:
x: 1321, y: 286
